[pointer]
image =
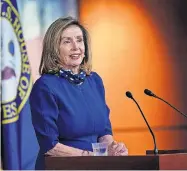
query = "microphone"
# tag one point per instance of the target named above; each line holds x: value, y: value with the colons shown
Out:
x: 129, y: 95
x: 150, y: 93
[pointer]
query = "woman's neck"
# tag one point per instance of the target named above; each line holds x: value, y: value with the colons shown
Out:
x: 75, y: 70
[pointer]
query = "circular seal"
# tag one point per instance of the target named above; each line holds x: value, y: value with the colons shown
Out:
x: 15, y: 71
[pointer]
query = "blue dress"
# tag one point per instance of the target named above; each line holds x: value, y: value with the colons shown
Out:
x: 74, y: 115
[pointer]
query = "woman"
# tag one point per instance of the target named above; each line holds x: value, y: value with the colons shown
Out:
x: 68, y: 105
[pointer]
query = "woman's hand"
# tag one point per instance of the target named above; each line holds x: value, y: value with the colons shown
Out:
x: 117, y: 149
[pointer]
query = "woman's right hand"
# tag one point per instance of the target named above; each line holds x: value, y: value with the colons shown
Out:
x: 117, y: 149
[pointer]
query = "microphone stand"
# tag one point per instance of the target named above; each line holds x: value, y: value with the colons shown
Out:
x: 171, y: 106
x: 150, y: 93
x: 129, y: 95
x: 155, y: 147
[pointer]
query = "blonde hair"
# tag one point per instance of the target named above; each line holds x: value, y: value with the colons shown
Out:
x: 50, y: 60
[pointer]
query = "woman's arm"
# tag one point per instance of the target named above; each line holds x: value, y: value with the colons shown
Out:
x: 106, y: 138
x: 62, y: 150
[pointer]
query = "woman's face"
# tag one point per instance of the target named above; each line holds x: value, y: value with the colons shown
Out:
x: 72, y: 48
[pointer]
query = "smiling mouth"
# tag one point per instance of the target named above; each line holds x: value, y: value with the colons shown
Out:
x: 75, y: 56
x: 7, y: 73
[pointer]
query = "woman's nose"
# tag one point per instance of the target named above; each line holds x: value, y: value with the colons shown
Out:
x: 74, y: 45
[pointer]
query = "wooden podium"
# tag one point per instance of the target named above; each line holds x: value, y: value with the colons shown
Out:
x: 148, y: 162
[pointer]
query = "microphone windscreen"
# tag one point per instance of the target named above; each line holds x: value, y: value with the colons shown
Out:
x: 129, y: 94
x: 148, y: 92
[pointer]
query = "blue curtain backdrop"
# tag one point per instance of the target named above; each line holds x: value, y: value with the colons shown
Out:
x: 19, y: 143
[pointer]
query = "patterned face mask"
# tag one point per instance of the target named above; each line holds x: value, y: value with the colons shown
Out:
x: 73, y: 78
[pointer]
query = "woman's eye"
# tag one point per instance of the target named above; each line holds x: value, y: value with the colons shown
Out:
x: 79, y: 40
x: 66, y: 42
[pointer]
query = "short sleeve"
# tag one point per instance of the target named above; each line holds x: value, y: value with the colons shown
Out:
x: 99, y: 82
x: 108, y: 128
x: 44, y: 111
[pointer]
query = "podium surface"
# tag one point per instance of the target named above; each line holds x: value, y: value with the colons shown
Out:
x: 147, y: 162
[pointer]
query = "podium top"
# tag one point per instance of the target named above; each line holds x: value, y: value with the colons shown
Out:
x: 146, y: 162
x: 167, y: 151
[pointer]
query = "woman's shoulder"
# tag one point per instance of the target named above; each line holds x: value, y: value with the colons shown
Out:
x: 46, y: 80
x: 96, y: 76
x: 97, y: 81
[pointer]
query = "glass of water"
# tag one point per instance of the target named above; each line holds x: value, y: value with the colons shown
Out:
x: 100, y: 149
